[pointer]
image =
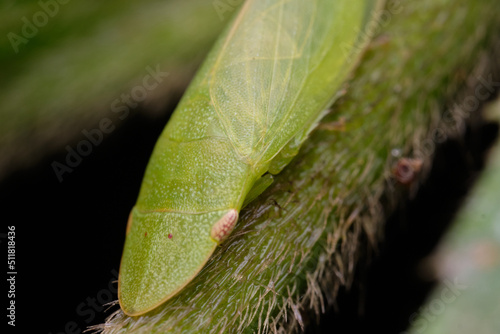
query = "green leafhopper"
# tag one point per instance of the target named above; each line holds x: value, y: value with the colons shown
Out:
x: 261, y: 90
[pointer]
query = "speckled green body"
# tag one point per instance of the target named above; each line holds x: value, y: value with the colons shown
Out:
x: 261, y: 91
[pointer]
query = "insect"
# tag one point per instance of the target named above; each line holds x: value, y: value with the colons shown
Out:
x: 261, y: 90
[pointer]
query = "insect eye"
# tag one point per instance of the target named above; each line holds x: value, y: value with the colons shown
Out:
x: 222, y: 229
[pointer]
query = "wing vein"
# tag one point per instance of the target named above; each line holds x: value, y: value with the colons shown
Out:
x: 229, y: 37
x: 297, y: 94
x: 275, y: 62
